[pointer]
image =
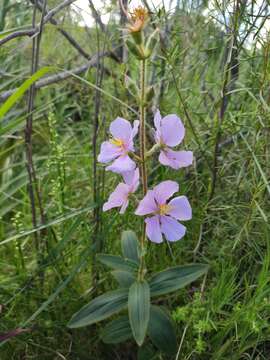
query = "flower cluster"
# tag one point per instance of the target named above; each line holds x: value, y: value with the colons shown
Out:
x: 162, y: 214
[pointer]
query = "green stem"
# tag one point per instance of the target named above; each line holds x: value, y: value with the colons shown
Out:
x: 142, y: 156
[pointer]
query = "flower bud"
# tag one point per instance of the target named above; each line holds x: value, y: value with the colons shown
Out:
x: 150, y: 93
x: 135, y: 50
x: 131, y: 86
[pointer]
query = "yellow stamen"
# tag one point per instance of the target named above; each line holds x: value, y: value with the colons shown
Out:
x: 164, y: 209
x: 117, y: 142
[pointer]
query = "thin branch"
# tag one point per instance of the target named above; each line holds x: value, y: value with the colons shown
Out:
x: 33, y: 186
x: 15, y: 34
x: 55, y: 10
x: 36, y: 30
x: 63, y: 75
x: 96, y: 16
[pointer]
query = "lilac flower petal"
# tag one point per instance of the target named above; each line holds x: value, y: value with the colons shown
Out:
x: 180, y: 208
x: 124, y: 206
x: 108, y: 152
x: 171, y: 228
x: 121, y: 129
x: 153, y: 230
x: 165, y: 190
x: 135, y: 129
x: 147, y: 205
x: 122, y: 164
x: 128, y: 176
x: 132, y: 179
x: 172, y: 130
x: 157, y: 122
x: 157, y: 119
x: 175, y: 159
x: 118, y: 197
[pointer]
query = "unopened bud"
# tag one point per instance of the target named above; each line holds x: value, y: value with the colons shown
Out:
x: 131, y: 86
x: 150, y: 93
x: 135, y: 50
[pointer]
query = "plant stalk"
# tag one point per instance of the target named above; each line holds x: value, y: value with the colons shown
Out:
x: 143, y: 158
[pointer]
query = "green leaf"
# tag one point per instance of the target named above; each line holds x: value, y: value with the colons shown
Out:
x: 117, y: 262
x: 117, y: 331
x: 139, y: 309
x: 124, y: 278
x: 175, y: 278
x: 161, y: 330
x: 147, y: 352
x: 100, y: 308
x: 129, y: 243
x: 23, y: 88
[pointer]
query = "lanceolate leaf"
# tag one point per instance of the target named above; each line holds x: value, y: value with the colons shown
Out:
x: 175, y: 278
x: 139, y: 309
x: 100, y: 308
x: 161, y: 330
x: 117, y: 262
x: 117, y: 331
x: 22, y: 89
x: 129, y: 243
x: 124, y: 278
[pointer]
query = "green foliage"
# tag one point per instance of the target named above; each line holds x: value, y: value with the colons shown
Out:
x: 100, y: 308
x: 130, y: 246
x: 161, y: 331
x: 117, y: 331
x: 139, y: 309
x: 22, y: 89
x: 175, y: 278
x: 117, y: 262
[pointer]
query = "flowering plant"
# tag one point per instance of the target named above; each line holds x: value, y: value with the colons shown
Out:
x: 161, y: 215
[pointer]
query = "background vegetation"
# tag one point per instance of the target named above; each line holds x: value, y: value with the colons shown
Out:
x: 212, y: 68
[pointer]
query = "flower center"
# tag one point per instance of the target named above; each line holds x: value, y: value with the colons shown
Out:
x: 164, y: 209
x: 139, y: 13
x: 118, y: 142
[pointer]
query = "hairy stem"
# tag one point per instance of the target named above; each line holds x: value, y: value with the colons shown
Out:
x: 142, y: 156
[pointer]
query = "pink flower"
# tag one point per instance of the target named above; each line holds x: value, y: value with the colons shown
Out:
x: 170, y: 132
x: 119, y: 197
x: 119, y: 146
x: 165, y: 215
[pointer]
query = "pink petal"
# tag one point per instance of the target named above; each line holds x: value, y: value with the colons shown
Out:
x: 130, y: 176
x: 132, y: 179
x: 171, y: 228
x: 165, y: 190
x: 119, y: 197
x: 172, y: 130
x: 124, y: 207
x: 175, y: 159
x: 157, y: 122
x: 147, y: 205
x: 108, y: 152
x: 157, y: 119
x: 122, y: 164
x: 121, y: 129
x: 153, y: 230
x: 180, y: 208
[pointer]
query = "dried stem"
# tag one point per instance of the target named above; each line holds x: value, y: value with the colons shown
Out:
x: 33, y: 186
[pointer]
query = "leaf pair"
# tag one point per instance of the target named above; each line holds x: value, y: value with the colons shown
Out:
x: 160, y: 330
